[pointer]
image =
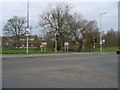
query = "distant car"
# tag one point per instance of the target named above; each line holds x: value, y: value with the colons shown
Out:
x: 118, y: 51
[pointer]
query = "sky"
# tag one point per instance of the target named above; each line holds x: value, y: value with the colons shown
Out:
x: 90, y: 10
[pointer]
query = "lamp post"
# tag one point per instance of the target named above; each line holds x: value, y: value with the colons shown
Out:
x: 101, y: 30
x: 27, y: 35
x: 27, y: 29
x: 55, y: 43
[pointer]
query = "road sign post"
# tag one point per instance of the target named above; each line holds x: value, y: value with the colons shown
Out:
x: 66, y: 45
x: 41, y: 47
x: 103, y: 44
x: 44, y: 46
x: 27, y: 35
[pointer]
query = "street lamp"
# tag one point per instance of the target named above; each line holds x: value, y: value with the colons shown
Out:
x: 27, y: 35
x: 55, y: 43
x: 27, y: 29
x: 101, y: 30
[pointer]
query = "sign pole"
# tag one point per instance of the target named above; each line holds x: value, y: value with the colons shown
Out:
x: 55, y: 44
x: 27, y: 44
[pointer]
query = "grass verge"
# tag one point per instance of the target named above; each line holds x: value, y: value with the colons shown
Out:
x: 48, y: 51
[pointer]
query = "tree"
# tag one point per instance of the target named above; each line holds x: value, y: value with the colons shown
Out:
x: 15, y: 27
x: 75, y: 29
x: 91, y: 33
x: 111, y: 38
x: 83, y: 32
x: 50, y: 39
x: 70, y: 27
x: 55, y: 21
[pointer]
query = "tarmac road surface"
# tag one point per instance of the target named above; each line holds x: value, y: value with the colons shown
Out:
x: 61, y: 71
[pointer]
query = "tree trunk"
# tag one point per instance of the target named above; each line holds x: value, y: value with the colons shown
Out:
x: 80, y: 45
x: 18, y: 42
x: 61, y: 44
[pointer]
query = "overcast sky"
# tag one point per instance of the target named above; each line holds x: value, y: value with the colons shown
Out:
x: 90, y: 10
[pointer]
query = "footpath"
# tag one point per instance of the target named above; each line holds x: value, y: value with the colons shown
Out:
x: 44, y: 55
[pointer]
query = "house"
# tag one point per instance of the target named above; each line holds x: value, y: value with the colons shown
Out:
x: 9, y: 41
x: 32, y: 41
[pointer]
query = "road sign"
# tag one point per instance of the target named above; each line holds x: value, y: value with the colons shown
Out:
x: 66, y: 46
x: 103, y: 40
x: 66, y: 43
x: 27, y: 29
x: 44, y: 43
x: 41, y: 46
x: 26, y: 35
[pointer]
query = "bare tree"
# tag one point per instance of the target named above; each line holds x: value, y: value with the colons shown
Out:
x: 55, y: 21
x: 69, y: 26
x: 75, y: 29
x: 15, y: 27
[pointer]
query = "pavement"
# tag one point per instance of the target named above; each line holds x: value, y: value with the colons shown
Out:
x: 73, y: 70
x: 40, y: 55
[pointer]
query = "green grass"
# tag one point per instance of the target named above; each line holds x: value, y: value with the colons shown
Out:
x: 23, y: 51
x: 107, y: 49
x: 0, y: 50
x: 48, y: 51
x: 110, y: 49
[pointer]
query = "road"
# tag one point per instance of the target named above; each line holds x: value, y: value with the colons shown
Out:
x: 61, y: 71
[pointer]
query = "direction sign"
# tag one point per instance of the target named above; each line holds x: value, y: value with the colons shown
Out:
x: 44, y: 43
x: 100, y: 42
